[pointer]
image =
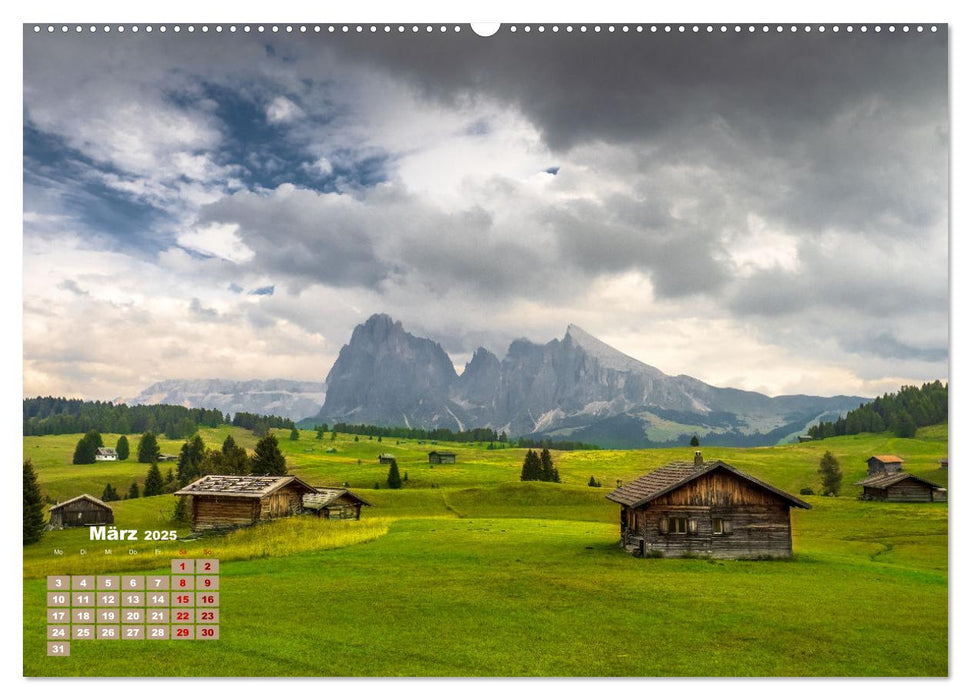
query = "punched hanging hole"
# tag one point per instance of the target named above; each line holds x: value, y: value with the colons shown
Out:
x: 485, y: 28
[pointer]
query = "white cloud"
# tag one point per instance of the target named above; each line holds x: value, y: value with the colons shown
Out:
x: 282, y: 110
x: 221, y: 240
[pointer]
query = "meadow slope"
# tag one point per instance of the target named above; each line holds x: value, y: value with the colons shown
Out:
x: 468, y: 571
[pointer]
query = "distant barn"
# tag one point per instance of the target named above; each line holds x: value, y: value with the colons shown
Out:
x: 438, y: 457
x: 334, y: 504
x: 167, y: 458
x: 385, y: 458
x: 105, y: 454
x: 944, y: 463
x: 883, y: 464
x: 80, y: 511
x: 901, y: 487
x: 219, y: 501
x: 704, y: 508
x: 805, y: 438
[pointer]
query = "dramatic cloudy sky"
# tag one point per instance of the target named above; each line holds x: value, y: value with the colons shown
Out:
x: 763, y: 211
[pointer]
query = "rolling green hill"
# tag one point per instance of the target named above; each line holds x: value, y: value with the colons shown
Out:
x: 468, y: 571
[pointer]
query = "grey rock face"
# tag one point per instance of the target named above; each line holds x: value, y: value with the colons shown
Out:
x: 387, y: 376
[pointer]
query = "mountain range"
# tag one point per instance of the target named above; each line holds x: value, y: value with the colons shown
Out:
x: 278, y: 397
x: 575, y: 388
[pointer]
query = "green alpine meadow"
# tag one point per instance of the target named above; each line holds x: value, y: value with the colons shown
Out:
x: 468, y: 571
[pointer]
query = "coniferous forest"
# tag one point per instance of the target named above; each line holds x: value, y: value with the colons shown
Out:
x: 901, y: 413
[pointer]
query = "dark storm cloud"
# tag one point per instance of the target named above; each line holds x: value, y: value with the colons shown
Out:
x: 836, y: 129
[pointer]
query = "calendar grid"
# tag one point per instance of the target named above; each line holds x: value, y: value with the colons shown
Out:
x: 180, y: 605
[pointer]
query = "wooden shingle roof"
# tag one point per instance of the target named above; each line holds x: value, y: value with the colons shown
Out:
x: 323, y: 497
x: 882, y: 481
x: 669, y: 477
x: 244, y: 486
x: 886, y: 459
x: 82, y: 497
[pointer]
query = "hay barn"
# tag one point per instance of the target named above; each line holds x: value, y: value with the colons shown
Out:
x: 883, y: 464
x: 218, y: 501
x: 334, y: 504
x: 80, y: 511
x: 437, y: 457
x: 901, y: 487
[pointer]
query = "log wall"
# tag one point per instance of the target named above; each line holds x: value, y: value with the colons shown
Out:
x: 81, y: 514
x: 210, y: 512
x: 752, y: 531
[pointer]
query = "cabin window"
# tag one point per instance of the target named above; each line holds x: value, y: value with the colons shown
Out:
x: 720, y: 526
x: 678, y: 526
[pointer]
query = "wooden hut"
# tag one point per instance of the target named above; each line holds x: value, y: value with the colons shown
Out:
x: 883, y: 464
x: 704, y: 508
x: 439, y: 457
x: 219, y: 501
x: 80, y: 511
x: 944, y: 463
x: 901, y: 487
x: 385, y: 458
x: 105, y: 454
x: 334, y: 504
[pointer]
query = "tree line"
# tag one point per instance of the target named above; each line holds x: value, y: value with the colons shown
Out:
x: 473, y: 435
x: 49, y: 415
x: 901, y: 413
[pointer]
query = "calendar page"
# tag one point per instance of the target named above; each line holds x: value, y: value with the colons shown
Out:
x: 515, y: 350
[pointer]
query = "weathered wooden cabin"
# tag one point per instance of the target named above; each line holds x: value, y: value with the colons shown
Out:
x: 439, y: 457
x: 219, y: 501
x: 166, y: 458
x: 883, y: 464
x: 707, y: 509
x: 385, y: 458
x: 80, y: 511
x: 334, y: 504
x: 901, y: 487
x: 105, y: 454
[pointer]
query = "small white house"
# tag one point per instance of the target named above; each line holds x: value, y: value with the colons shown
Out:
x: 105, y: 454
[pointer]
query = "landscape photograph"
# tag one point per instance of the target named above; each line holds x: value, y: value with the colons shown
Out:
x: 572, y: 350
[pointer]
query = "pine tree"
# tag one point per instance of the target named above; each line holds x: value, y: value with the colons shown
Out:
x: 546, y: 466
x: 532, y: 467
x: 694, y: 441
x: 109, y: 494
x: 197, y: 450
x: 320, y: 432
x: 267, y: 458
x: 84, y: 452
x: 33, y: 506
x: 181, y: 514
x: 234, y: 458
x: 87, y: 447
x: 829, y: 470
x: 394, y: 478
x: 185, y: 469
x: 169, y: 476
x: 154, y: 486
x: 148, y: 450
x: 122, y: 448
x: 593, y: 482
x: 133, y: 491
x: 294, y: 434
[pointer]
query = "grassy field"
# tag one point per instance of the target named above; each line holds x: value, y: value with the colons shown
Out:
x: 467, y: 571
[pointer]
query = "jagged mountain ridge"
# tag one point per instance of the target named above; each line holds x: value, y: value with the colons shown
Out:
x: 280, y: 397
x: 566, y: 387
